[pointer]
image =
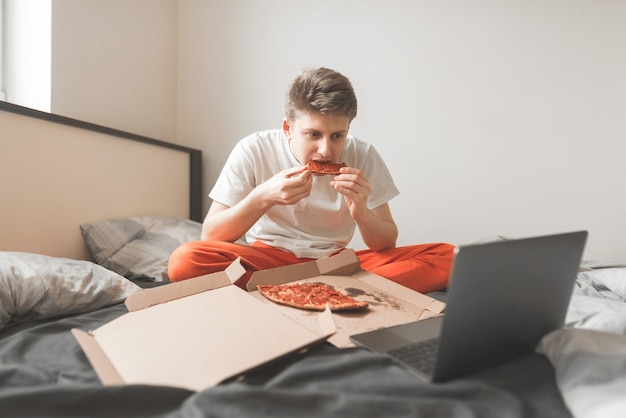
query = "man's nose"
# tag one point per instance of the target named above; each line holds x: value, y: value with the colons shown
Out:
x: 324, y: 147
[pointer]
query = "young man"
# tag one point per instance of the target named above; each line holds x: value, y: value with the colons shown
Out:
x: 271, y: 210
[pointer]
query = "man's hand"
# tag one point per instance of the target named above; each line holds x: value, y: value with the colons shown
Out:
x: 285, y: 188
x: 225, y: 223
x: 356, y: 189
x: 377, y: 227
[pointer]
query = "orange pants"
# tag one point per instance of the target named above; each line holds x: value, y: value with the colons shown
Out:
x: 424, y: 268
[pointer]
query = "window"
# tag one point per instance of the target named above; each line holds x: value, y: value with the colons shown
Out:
x: 2, y: 37
x: 26, y: 52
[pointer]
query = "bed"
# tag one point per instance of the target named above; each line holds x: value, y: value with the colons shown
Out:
x: 93, y: 215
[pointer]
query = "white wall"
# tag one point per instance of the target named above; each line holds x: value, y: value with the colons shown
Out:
x: 114, y: 64
x: 495, y: 117
x: 43, y: 164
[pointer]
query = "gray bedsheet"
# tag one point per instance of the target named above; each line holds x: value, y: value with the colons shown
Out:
x: 44, y: 373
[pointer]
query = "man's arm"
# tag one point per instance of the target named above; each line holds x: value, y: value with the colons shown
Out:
x: 377, y: 227
x: 226, y: 223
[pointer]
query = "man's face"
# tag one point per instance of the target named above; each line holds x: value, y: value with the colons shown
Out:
x: 313, y: 136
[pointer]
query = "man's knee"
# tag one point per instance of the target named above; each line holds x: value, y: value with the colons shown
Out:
x: 178, y: 266
x: 443, y: 249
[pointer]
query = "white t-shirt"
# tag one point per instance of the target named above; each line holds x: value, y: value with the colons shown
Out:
x: 316, y: 226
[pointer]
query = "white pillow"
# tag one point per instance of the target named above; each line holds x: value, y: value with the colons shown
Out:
x: 35, y: 286
x: 590, y: 370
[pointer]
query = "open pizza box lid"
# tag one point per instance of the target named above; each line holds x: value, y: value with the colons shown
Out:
x: 389, y: 303
x: 195, y: 334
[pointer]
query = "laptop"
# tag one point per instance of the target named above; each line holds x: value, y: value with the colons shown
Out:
x: 503, y: 297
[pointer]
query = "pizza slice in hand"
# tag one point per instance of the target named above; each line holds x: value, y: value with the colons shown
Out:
x: 321, y: 167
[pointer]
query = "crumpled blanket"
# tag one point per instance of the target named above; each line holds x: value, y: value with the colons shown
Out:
x: 44, y: 373
x: 357, y: 383
x: 589, y: 356
x: 344, y: 383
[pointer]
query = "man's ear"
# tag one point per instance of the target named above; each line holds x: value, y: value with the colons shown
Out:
x: 287, y: 129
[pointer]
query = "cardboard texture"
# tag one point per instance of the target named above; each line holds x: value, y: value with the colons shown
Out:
x: 197, y: 340
x: 156, y: 295
x: 199, y: 332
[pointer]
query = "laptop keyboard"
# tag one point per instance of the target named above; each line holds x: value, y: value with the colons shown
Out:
x: 420, y: 356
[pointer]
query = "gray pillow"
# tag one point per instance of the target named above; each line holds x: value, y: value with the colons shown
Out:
x: 34, y: 286
x: 138, y: 247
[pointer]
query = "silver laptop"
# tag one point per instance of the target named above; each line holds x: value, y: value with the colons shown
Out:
x: 503, y: 297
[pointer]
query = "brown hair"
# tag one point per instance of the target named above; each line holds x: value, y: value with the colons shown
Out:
x: 321, y: 90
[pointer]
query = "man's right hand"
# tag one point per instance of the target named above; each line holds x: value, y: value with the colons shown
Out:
x: 286, y: 188
x: 225, y: 223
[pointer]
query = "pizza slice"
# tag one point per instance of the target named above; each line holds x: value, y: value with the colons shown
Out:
x: 324, y: 167
x: 310, y: 296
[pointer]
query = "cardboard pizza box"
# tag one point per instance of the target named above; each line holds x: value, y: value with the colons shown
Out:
x: 195, y: 334
x: 389, y: 303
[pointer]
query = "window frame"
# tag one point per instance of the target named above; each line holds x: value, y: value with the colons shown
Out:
x: 2, y: 52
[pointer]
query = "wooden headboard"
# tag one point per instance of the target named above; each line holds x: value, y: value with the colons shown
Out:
x: 57, y: 172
